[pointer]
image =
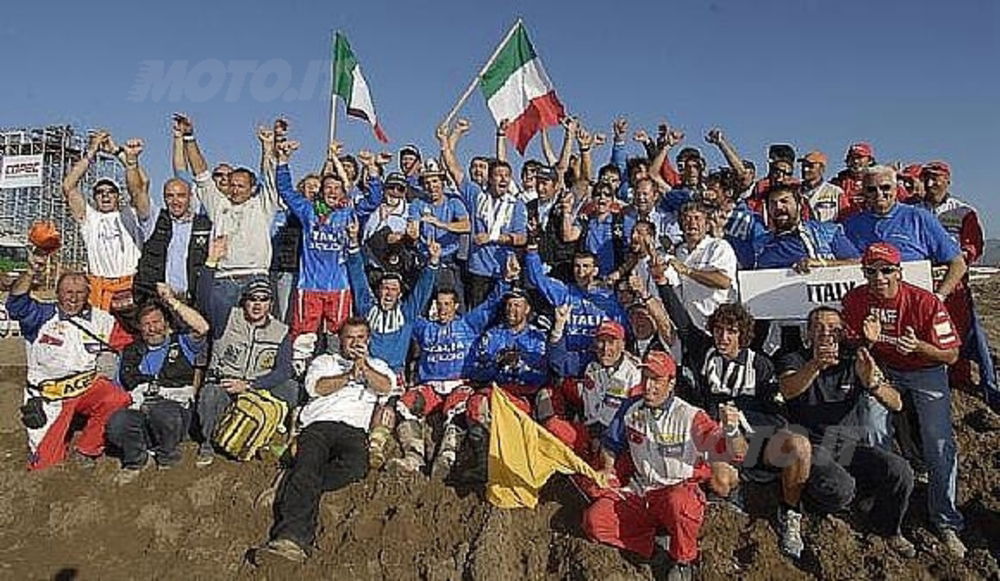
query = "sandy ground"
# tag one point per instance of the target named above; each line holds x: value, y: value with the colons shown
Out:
x: 190, y: 523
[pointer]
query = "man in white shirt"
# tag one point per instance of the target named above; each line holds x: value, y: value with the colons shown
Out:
x: 111, y: 234
x: 332, y: 449
x: 824, y: 198
x: 706, y: 265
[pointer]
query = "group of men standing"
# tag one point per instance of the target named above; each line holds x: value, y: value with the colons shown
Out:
x: 602, y: 303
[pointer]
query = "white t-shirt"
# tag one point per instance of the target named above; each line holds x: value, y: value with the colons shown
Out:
x: 112, y: 250
x: 713, y: 254
x: 352, y: 404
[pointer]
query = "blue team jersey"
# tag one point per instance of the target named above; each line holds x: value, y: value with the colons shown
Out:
x: 530, y: 367
x: 488, y: 259
x: 811, y: 239
x: 446, y: 348
x: 913, y: 230
x: 323, y: 264
x: 602, y: 235
x: 743, y: 230
x: 451, y: 209
x: 590, y: 309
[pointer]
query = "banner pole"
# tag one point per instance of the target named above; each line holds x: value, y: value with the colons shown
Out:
x: 333, y: 95
x: 475, y: 80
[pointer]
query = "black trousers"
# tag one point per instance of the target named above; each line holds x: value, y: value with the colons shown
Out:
x: 330, y: 456
x: 159, y: 428
x: 863, y: 472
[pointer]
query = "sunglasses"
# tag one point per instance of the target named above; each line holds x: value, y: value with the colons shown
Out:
x: 258, y: 298
x: 100, y: 191
x: 880, y: 188
x: 871, y: 271
x: 220, y: 174
x: 396, y: 187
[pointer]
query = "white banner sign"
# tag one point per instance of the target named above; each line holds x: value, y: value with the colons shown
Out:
x: 784, y: 294
x: 21, y: 171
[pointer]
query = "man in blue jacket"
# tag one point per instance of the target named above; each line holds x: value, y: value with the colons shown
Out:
x: 391, y: 319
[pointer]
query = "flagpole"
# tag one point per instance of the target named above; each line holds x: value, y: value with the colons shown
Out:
x: 475, y: 80
x: 333, y: 94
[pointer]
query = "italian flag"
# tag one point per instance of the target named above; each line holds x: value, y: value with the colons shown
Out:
x: 517, y: 89
x: 350, y: 85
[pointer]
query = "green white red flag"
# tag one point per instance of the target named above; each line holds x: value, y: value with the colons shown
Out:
x: 350, y: 85
x: 517, y: 89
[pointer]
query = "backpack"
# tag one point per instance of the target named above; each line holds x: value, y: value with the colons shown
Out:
x: 249, y: 423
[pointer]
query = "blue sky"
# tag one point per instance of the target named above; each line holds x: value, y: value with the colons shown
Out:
x: 916, y: 78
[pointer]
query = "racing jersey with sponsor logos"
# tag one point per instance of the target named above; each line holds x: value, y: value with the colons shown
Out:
x: 604, y: 389
x: 961, y: 221
x: 512, y: 358
x: 446, y: 348
x: 57, y: 346
x: 324, y: 238
x: 911, y: 307
x: 590, y: 309
x: 667, y: 443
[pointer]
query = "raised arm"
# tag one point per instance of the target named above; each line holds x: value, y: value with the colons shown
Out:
x: 178, y: 160
x: 71, y: 185
x: 136, y: 179
x: 448, y: 141
x: 586, y: 142
x: 502, y: 140
x: 570, y: 124
x: 716, y: 138
x: 547, y: 151
x: 360, y: 289
x: 191, y: 317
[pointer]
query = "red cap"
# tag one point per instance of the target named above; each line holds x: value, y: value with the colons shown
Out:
x: 937, y: 167
x: 881, y: 252
x: 815, y: 157
x: 610, y: 329
x: 861, y: 148
x: 912, y: 171
x: 659, y: 364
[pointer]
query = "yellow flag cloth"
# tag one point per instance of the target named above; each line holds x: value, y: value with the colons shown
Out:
x: 523, y: 455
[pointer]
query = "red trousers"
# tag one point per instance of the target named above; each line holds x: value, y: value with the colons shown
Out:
x: 310, y: 309
x: 102, y: 399
x: 631, y: 522
x: 423, y: 400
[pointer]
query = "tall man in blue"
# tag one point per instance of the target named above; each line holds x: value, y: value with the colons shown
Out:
x: 592, y: 305
x: 499, y: 218
x: 324, y: 293
x: 391, y: 320
x: 912, y: 229
x: 512, y: 356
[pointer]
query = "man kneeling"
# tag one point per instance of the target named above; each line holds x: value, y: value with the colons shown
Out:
x: 332, y: 449
x: 666, y: 439
x: 158, y: 370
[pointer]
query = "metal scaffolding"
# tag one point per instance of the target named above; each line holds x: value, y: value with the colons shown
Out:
x: 62, y: 147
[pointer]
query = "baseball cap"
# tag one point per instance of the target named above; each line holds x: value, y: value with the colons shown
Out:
x: 690, y: 153
x: 937, y: 167
x: 814, y: 157
x: 781, y: 152
x: 431, y: 168
x: 396, y: 179
x: 861, y: 148
x: 912, y: 171
x: 881, y: 252
x: 108, y: 182
x: 257, y: 286
x: 546, y: 172
x: 409, y: 148
x: 610, y: 329
x: 659, y: 364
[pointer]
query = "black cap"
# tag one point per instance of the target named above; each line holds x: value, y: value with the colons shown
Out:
x: 546, y: 172
x: 396, y: 179
x: 257, y: 286
x: 781, y: 152
x: 409, y: 148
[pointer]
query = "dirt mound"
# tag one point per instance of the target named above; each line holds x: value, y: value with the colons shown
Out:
x: 194, y: 523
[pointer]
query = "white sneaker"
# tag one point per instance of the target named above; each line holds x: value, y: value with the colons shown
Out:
x: 790, y: 531
x: 949, y: 538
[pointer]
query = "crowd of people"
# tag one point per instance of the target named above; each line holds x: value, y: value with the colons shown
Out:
x: 378, y: 302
